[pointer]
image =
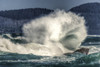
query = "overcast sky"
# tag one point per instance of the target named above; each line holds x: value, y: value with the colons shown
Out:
x: 50, y: 4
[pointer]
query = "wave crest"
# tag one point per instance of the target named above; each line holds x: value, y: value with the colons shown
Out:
x: 51, y: 35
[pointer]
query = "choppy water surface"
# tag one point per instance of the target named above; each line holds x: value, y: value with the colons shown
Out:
x: 70, y: 60
x: 46, y: 39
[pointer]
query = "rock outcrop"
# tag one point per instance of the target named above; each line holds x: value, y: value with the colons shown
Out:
x: 83, y: 50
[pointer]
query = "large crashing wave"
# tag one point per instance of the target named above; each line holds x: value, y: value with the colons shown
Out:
x: 50, y: 35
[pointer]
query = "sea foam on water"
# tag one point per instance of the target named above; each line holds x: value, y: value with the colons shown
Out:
x: 50, y: 35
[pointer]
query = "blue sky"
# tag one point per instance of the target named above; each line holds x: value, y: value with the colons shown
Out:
x: 50, y: 4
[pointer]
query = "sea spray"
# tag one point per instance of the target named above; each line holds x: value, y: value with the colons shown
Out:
x: 50, y: 35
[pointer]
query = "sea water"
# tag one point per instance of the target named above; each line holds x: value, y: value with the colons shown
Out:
x: 8, y: 59
x: 45, y: 42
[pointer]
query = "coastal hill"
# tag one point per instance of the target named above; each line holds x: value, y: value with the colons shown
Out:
x: 22, y: 14
x: 91, y: 13
x: 12, y: 21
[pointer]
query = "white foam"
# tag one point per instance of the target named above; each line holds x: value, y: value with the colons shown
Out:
x: 50, y: 35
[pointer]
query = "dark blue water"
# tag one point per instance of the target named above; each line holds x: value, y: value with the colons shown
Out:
x: 69, y: 60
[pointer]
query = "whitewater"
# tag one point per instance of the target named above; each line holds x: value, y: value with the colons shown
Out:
x: 51, y: 35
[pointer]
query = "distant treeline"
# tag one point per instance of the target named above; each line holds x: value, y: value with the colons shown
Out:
x: 87, y: 8
x: 91, y: 13
x: 12, y: 21
x: 21, y: 14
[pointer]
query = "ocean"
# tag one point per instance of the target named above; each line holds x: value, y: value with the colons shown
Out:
x: 8, y: 59
x: 47, y: 39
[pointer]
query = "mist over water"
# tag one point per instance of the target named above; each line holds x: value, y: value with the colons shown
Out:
x: 50, y: 35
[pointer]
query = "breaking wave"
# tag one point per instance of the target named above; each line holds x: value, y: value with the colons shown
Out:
x: 50, y: 35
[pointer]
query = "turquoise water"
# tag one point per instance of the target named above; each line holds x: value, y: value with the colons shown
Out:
x: 70, y: 60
